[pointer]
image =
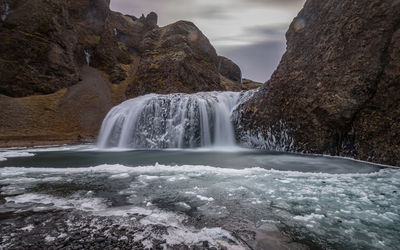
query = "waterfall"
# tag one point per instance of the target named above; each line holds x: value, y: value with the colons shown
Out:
x: 6, y: 11
x: 171, y: 121
x: 87, y: 54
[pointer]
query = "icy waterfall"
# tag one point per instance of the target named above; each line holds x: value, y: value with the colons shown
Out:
x: 171, y: 121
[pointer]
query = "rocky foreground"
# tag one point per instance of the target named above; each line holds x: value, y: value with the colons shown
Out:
x: 77, y: 230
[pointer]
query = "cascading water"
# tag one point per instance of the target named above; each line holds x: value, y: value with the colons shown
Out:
x: 6, y: 10
x: 87, y: 55
x: 171, y: 121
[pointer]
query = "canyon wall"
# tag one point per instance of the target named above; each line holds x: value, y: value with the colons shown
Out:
x: 337, y: 88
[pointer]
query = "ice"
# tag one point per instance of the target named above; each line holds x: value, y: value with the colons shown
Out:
x: 191, y: 237
x: 28, y: 228
x: 13, y: 154
x: 344, y: 211
x: 119, y: 176
x: 49, y: 238
x: 86, y: 204
x: 203, y: 198
x: 6, y: 153
x: 310, y: 218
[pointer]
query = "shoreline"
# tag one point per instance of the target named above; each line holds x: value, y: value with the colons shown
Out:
x: 50, y: 143
x: 26, y: 143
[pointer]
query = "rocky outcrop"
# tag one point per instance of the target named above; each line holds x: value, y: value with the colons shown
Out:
x: 45, y: 82
x: 229, y: 69
x: 37, y: 48
x: 248, y: 84
x: 336, y: 89
x: 67, y: 116
x: 176, y: 58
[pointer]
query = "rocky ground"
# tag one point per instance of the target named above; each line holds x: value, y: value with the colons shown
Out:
x: 70, y: 229
x: 47, y: 227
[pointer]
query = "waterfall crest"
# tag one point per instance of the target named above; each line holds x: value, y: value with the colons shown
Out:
x: 171, y: 121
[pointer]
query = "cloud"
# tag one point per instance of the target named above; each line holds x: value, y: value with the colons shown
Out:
x: 282, y: 3
x: 257, y: 61
x: 268, y: 30
x: 235, y: 27
x: 253, y: 35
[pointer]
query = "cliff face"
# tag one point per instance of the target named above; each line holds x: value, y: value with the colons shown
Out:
x: 337, y: 87
x: 176, y: 58
x: 50, y: 94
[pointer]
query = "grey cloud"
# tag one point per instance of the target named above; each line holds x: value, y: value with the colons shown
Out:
x: 257, y: 34
x: 276, y: 2
x: 257, y: 61
x: 265, y: 43
x: 268, y: 30
x: 211, y: 12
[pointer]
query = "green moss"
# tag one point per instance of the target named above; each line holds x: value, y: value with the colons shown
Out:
x: 91, y: 39
x: 153, y: 67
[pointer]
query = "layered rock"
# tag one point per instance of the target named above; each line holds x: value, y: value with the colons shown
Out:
x: 45, y: 49
x: 336, y: 89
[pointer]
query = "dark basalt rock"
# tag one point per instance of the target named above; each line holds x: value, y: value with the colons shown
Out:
x: 248, y: 84
x: 37, y: 48
x: 337, y: 86
x: 43, y: 66
x: 229, y: 69
x: 44, y: 44
x: 176, y: 58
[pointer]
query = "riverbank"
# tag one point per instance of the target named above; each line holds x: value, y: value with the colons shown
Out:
x: 33, y: 142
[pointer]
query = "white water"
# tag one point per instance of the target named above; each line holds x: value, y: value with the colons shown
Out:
x: 6, y: 11
x: 171, y: 121
x: 87, y: 54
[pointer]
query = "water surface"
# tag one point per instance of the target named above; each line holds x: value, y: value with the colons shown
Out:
x: 213, y: 195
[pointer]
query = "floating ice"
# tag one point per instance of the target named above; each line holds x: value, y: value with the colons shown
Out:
x: 14, y: 154
x: 341, y: 211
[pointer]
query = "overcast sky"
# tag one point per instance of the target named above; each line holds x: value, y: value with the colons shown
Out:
x: 250, y: 32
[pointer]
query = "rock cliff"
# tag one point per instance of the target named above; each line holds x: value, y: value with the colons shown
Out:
x: 337, y: 87
x: 65, y: 63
